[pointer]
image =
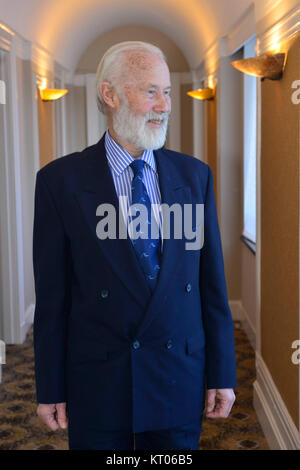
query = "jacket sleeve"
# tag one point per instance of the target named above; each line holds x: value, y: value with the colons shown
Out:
x: 217, y: 320
x: 52, y: 270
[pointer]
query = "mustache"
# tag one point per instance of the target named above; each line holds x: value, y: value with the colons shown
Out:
x: 161, y: 117
x: 147, y: 116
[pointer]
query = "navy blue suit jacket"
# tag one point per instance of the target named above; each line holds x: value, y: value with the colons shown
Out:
x: 120, y: 357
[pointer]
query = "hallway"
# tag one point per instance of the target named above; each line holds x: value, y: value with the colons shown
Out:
x: 235, y: 92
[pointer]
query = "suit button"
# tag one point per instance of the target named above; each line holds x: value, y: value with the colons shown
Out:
x: 136, y: 344
x: 104, y: 293
x: 188, y: 287
x: 169, y: 344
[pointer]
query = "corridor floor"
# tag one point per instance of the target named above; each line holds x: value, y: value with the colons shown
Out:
x: 21, y: 429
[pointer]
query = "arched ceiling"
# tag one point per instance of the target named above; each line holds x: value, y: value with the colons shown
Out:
x: 176, y: 60
x: 66, y: 27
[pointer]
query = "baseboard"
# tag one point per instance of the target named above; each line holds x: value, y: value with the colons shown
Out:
x: 276, y: 422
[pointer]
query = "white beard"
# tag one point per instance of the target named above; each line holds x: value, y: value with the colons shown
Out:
x: 133, y: 128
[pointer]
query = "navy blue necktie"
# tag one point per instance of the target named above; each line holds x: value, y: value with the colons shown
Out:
x: 147, y: 249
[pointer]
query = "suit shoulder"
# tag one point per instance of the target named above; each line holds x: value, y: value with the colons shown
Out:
x: 65, y: 164
x: 184, y: 160
x: 60, y: 164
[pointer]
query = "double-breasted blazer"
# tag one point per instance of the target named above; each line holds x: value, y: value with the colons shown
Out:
x: 121, y: 357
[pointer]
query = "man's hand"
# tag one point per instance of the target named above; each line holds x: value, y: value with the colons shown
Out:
x: 219, y: 402
x: 54, y: 416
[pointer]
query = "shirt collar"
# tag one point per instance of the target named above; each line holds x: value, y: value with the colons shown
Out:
x: 119, y: 159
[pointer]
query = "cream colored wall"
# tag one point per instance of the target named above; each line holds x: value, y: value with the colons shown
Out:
x: 224, y: 154
x: 76, y: 119
x: 211, y: 137
x: 27, y: 172
x: 229, y: 178
x: 92, y: 55
x: 187, y: 130
x: 46, y: 131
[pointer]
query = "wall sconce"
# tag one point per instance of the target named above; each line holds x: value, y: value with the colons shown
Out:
x: 202, y: 93
x: 264, y: 66
x: 52, y: 94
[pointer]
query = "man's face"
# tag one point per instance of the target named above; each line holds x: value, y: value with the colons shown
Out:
x: 145, y: 103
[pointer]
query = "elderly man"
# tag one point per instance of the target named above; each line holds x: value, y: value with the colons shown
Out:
x: 131, y: 327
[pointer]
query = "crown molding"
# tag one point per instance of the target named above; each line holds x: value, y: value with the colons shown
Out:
x: 9, y: 40
x: 42, y: 60
x: 6, y: 37
x: 281, y: 30
x: 212, y: 56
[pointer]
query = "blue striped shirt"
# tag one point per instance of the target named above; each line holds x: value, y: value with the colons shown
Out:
x: 119, y: 161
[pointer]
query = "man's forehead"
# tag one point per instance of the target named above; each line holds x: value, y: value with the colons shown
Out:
x: 147, y: 82
x: 141, y: 60
x: 146, y: 69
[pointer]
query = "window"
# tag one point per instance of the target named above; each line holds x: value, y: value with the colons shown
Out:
x: 250, y: 113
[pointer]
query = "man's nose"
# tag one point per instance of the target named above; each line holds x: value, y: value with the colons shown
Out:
x: 163, y: 103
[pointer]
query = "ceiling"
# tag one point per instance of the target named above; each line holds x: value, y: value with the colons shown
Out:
x: 66, y: 27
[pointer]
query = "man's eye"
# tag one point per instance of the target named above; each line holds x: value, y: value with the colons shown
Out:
x: 151, y: 91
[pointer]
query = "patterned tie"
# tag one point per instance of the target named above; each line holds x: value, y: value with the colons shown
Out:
x: 146, y: 249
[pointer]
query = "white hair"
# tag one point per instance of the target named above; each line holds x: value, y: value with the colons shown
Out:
x: 113, y: 62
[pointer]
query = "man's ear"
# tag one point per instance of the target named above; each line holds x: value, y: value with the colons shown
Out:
x: 109, y: 94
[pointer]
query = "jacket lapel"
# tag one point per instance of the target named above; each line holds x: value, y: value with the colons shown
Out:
x: 98, y: 188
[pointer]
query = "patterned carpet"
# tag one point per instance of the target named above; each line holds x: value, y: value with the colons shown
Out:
x: 21, y: 429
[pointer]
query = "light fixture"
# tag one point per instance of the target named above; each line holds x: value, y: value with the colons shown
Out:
x: 267, y: 65
x: 52, y: 94
x: 202, y: 93
x: 49, y: 94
